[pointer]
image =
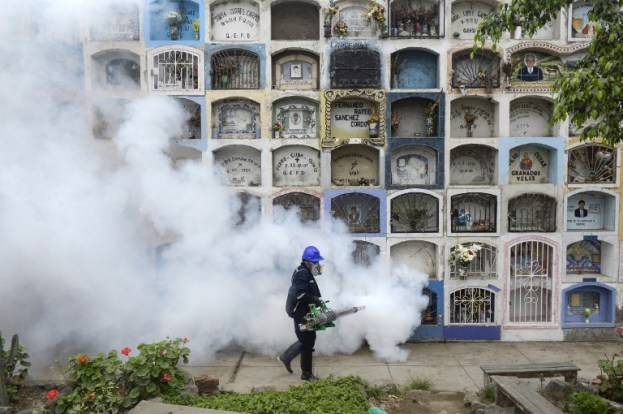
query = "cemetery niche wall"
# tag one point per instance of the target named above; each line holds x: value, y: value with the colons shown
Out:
x: 534, y: 65
x: 236, y: 119
x: 296, y: 165
x: 173, y: 20
x: 235, y: 21
x: 414, y: 69
x: 466, y: 16
x: 295, y: 71
x: 241, y: 165
x: 355, y: 166
x: 413, y: 165
x: 473, y: 165
x: 350, y: 115
x: 473, y: 117
x: 529, y: 164
x: 296, y: 117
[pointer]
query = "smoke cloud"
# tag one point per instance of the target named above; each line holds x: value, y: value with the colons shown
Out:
x: 107, y: 243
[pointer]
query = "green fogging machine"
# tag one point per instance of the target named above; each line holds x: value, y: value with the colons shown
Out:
x: 321, y: 317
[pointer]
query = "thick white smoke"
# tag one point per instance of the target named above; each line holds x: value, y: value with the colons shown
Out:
x: 80, y: 220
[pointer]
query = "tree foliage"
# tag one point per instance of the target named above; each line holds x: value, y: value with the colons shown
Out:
x: 590, y: 95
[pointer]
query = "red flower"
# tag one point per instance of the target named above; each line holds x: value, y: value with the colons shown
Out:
x: 126, y: 351
x: 92, y: 396
x: 52, y: 394
x: 83, y: 358
x: 166, y: 376
x: 185, y: 340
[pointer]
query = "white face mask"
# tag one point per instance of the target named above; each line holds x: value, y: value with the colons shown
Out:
x: 316, y: 269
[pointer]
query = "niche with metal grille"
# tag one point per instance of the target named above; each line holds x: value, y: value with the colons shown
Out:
x: 355, y: 68
x: 175, y: 70
x: 473, y: 213
x: 365, y: 253
x: 235, y: 69
x: 308, y: 205
x: 414, y: 213
x: 483, y: 71
x: 595, y: 164
x: 360, y: 212
x: 532, y: 212
x: 483, y: 266
x: 530, y: 284
x: 472, y: 305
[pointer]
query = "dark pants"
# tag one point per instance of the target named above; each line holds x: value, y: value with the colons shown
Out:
x: 307, y: 338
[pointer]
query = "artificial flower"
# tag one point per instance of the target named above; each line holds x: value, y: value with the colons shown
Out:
x: 126, y: 351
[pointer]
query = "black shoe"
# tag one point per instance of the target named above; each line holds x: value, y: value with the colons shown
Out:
x: 308, y: 376
x: 285, y: 364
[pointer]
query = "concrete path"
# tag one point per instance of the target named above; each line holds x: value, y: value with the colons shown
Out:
x: 450, y: 366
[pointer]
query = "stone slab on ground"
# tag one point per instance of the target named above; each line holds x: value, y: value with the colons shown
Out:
x: 155, y: 407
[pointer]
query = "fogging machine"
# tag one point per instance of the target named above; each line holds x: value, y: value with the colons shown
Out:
x: 321, y: 317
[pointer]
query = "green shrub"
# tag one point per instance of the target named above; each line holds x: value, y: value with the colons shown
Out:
x: 587, y: 403
x: 610, y: 376
x: 11, y: 377
x: 103, y: 383
x: 331, y: 395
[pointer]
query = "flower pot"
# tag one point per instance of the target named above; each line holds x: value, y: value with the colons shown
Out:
x: 517, y: 33
x: 277, y: 134
x: 373, y: 129
x: 327, y: 30
x: 586, y: 320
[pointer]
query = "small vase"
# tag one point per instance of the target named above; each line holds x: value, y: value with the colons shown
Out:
x: 277, y: 134
x: 373, y: 129
x: 586, y: 320
x: 196, y: 35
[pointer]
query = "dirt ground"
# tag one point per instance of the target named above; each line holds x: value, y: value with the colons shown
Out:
x: 426, y: 402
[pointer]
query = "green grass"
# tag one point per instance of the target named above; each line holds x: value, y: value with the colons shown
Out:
x: 419, y: 383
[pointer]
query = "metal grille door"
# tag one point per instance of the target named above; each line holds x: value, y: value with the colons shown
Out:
x: 530, y: 293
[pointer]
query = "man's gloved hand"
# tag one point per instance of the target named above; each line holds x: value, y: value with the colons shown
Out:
x: 316, y: 300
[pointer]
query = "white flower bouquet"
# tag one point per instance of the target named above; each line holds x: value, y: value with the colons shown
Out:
x: 463, y: 255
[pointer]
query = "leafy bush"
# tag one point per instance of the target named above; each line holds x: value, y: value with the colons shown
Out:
x: 342, y: 395
x: 11, y: 377
x: 587, y: 403
x: 611, y: 377
x: 103, y: 383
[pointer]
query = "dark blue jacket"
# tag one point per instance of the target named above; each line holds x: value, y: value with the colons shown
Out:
x: 303, y: 291
x: 536, y: 75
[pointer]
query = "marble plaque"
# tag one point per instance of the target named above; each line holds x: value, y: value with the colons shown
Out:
x: 466, y: 16
x: 296, y: 74
x: 419, y: 255
x: 530, y: 118
x: 297, y: 119
x: 472, y: 118
x: 586, y: 212
x: 349, y: 118
x: 296, y: 166
x: 354, y: 165
x: 241, y: 165
x: 358, y: 26
x: 237, y: 120
x: 415, y: 165
x: 471, y: 166
x: 235, y: 21
x: 528, y: 164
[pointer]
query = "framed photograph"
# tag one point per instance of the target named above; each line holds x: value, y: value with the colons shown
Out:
x: 296, y: 71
